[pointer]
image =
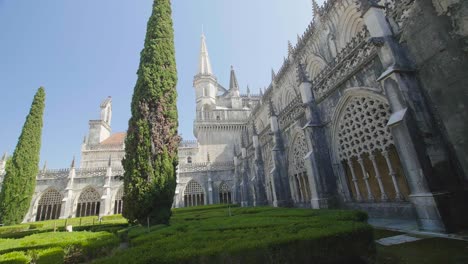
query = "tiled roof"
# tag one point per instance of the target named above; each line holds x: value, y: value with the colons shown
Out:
x: 115, y: 139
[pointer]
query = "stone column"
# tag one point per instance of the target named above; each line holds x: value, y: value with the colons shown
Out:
x: 409, y: 122
x: 106, y: 199
x: 322, y: 181
x: 279, y: 179
x: 259, y: 170
x: 67, y: 202
x: 245, y: 177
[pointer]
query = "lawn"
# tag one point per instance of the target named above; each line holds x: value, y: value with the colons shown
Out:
x: 427, y: 251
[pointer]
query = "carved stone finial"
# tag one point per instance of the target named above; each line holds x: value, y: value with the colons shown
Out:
x: 302, y: 75
x: 273, y: 75
x: 271, y: 108
x: 254, y: 129
x: 261, y: 91
x: 73, y: 162
x: 44, y: 168
x: 109, y: 163
x: 208, y: 157
x: 315, y: 9
x: 290, y: 48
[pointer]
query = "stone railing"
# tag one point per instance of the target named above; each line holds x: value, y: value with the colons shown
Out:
x: 53, y: 174
x: 188, y: 144
x: 291, y: 112
x: 106, y: 147
x: 358, y: 52
x: 206, y: 166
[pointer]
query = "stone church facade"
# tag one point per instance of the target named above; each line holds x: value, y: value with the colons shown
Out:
x: 367, y: 112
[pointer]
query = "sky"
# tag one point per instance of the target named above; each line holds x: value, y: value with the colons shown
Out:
x: 83, y: 51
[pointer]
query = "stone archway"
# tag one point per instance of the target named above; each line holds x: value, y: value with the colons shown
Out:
x: 225, y: 195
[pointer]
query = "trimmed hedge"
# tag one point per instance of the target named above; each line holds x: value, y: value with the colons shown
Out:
x: 79, y: 246
x: 252, y: 235
x: 16, y: 257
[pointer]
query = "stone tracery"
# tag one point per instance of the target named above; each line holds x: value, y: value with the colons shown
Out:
x: 89, y: 203
x: 297, y: 171
x: 49, y: 206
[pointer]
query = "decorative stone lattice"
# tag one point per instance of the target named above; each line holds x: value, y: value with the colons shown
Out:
x: 89, y: 195
x: 297, y: 154
x: 224, y: 193
x: 224, y: 187
x: 49, y: 205
x: 51, y: 197
x: 193, y: 187
x: 363, y: 127
x: 119, y: 194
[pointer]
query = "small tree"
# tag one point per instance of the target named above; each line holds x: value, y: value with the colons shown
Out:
x: 21, y: 170
x: 152, y: 140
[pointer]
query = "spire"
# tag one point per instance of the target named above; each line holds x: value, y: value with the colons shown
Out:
x: 302, y: 76
x: 233, y: 85
x: 261, y: 91
x: 44, y: 168
x: 204, y: 65
x: 273, y: 75
x: 109, y: 163
x: 73, y: 162
x: 4, y: 156
x: 248, y: 90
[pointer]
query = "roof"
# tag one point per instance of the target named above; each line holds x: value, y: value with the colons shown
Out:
x: 115, y: 139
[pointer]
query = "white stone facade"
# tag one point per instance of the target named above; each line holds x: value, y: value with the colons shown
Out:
x: 340, y: 125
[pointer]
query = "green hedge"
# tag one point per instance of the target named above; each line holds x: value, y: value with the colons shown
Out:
x: 79, y: 246
x: 16, y: 257
x: 252, y: 235
x: 51, y: 255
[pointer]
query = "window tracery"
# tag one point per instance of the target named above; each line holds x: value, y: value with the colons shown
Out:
x: 89, y: 203
x: 194, y: 194
x: 49, y: 206
x: 224, y: 193
x: 118, y: 203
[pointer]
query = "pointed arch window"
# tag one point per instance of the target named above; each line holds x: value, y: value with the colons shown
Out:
x: 89, y: 203
x: 194, y: 194
x: 224, y: 194
x: 189, y: 160
x: 297, y: 172
x: 118, y: 203
x: 49, y: 206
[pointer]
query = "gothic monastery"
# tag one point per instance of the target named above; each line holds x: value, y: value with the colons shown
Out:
x: 359, y: 116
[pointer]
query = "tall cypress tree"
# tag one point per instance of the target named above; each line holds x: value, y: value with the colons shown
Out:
x: 21, y: 170
x: 152, y: 139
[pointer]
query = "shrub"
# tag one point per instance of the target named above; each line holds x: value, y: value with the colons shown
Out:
x: 51, y: 255
x: 16, y: 257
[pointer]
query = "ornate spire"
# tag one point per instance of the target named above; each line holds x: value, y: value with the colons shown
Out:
x: 233, y: 85
x: 248, y: 90
x: 44, y: 168
x: 109, y: 163
x: 204, y: 64
x: 261, y: 91
x: 73, y: 162
x: 302, y: 76
x: 273, y: 75
x: 4, y: 156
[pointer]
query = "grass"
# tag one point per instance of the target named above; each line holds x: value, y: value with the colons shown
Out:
x: 251, y: 235
x: 425, y: 251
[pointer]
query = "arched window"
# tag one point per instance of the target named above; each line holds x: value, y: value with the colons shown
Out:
x: 189, y: 160
x: 49, y: 205
x: 224, y: 194
x: 118, y: 204
x: 297, y: 171
x: 89, y: 203
x: 366, y: 150
x: 194, y: 194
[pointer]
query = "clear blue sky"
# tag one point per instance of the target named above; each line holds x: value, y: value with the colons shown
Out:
x: 83, y: 51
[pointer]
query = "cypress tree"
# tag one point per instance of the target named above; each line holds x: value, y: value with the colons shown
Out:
x: 22, y: 168
x: 152, y: 139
